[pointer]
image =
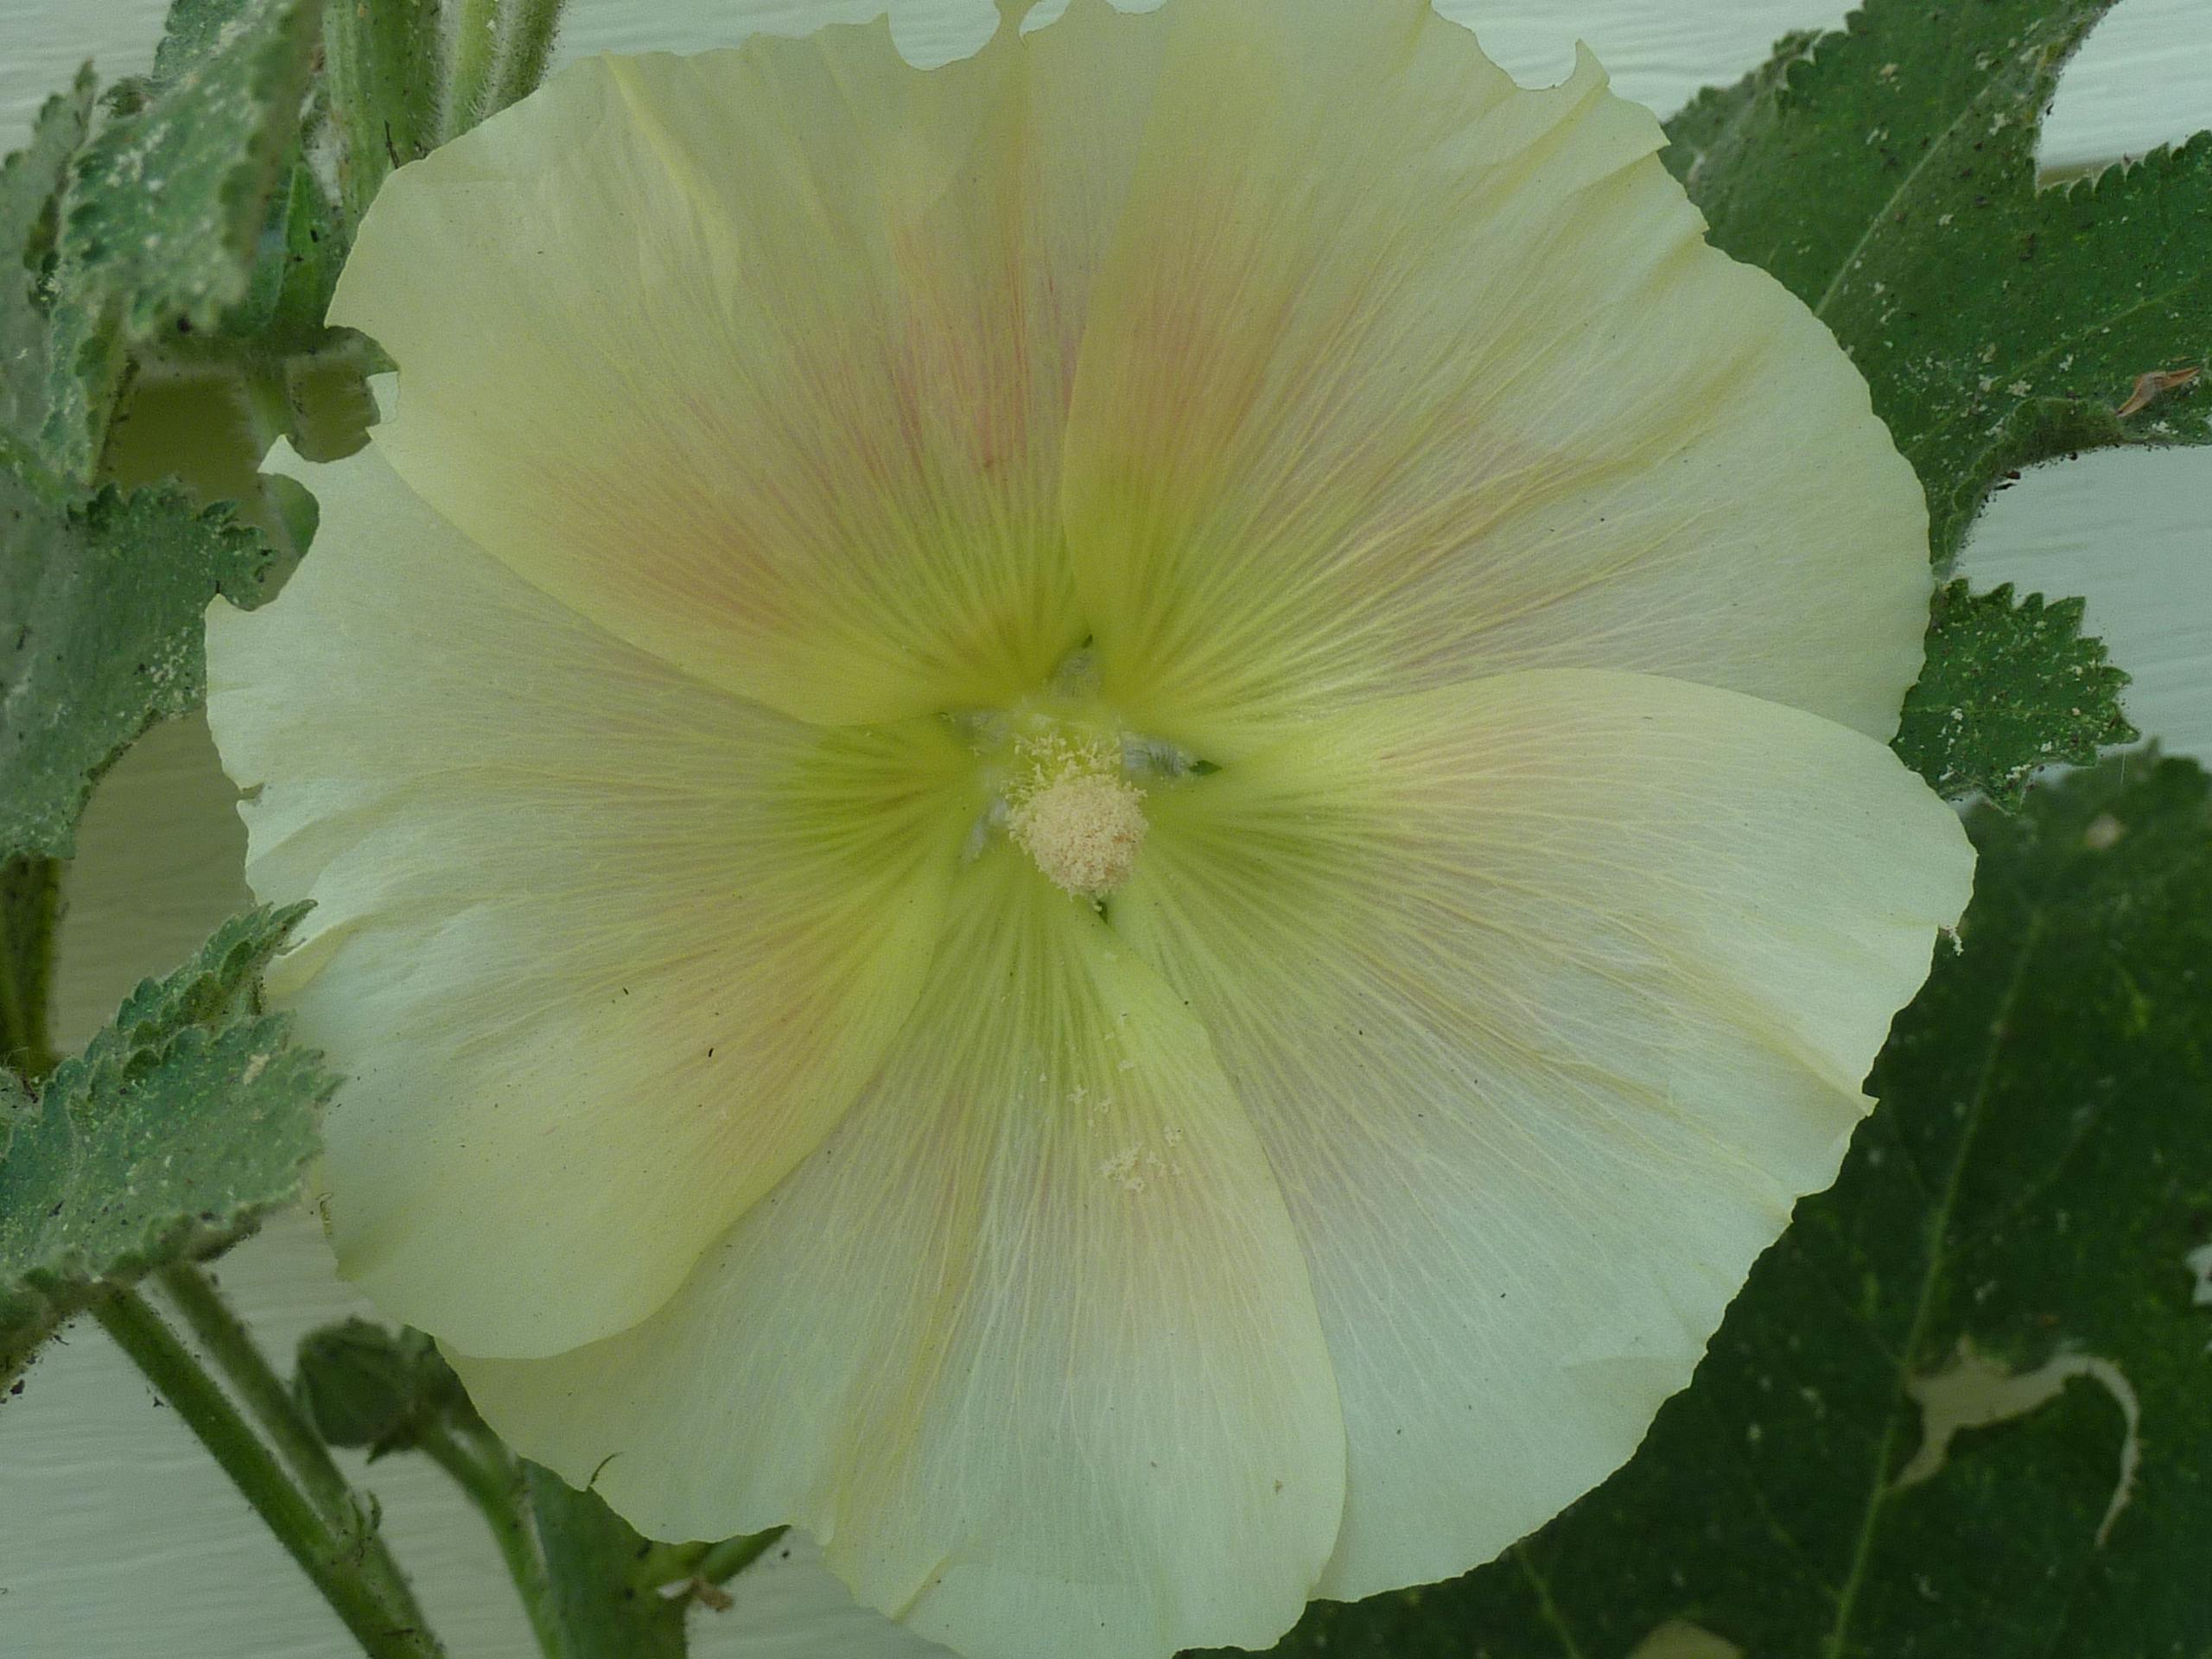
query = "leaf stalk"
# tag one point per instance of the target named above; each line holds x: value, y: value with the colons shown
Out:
x: 227, y: 1342
x: 331, y: 1562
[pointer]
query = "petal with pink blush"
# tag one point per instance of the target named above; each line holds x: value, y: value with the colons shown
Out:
x: 1398, y: 375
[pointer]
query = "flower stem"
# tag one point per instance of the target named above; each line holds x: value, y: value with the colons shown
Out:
x: 383, y: 65
x: 475, y: 57
x: 30, y: 903
x: 532, y: 25
x: 492, y: 1482
x: 384, y: 1631
x: 236, y: 1355
x: 228, y: 1344
x: 733, y: 1555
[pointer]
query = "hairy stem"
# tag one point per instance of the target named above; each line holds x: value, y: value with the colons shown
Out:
x: 384, y: 68
x: 384, y: 1630
x: 526, y: 50
x: 240, y: 1358
x: 475, y: 60
x: 492, y: 1481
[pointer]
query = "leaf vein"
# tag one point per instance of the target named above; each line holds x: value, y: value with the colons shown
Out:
x: 1878, y: 1487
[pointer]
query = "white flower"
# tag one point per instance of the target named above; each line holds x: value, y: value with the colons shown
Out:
x: 1112, y: 820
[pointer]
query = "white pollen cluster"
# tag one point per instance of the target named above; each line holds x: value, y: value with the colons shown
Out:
x: 1083, y: 830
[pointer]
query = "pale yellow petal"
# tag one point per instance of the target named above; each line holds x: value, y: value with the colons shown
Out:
x: 1028, y: 1343
x: 160, y: 865
x: 1548, y: 995
x: 759, y: 359
x: 1399, y: 375
x: 601, y: 951
x: 789, y: 1605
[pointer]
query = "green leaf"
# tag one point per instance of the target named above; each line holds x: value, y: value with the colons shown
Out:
x: 30, y: 187
x: 101, y: 608
x: 182, y: 1124
x: 2010, y: 686
x: 166, y: 206
x: 602, y: 1576
x: 1962, y: 1406
x: 1886, y: 175
x: 366, y: 1387
x: 16, y: 1102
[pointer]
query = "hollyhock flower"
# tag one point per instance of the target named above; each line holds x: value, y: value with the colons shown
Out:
x: 1113, y: 820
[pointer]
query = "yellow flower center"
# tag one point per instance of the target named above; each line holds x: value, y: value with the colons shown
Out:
x: 1065, y: 781
x: 1078, y: 817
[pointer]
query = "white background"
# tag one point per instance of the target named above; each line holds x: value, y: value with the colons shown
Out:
x: 118, y: 1539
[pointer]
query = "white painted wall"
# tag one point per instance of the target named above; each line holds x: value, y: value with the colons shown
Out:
x: 2145, y: 76
x: 118, y: 1539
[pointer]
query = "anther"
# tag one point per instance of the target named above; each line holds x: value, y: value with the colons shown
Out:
x: 1082, y: 828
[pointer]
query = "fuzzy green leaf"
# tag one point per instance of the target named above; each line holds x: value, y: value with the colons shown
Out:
x: 182, y: 1124
x: 166, y: 205
x: 30, y: 188
x: 16, y: 1103
x: 1887, y: 175
x: 101, y: 608
x: 2014, y: 1251
x: 2011, y: 685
